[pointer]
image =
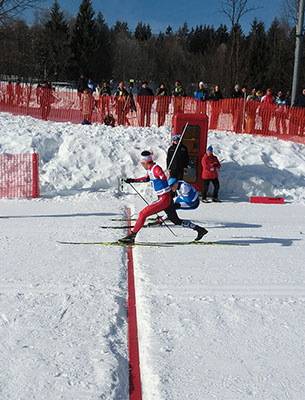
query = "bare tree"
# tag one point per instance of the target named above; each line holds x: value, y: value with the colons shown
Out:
x: 11, y: 9
x: 235, y: 10
x: 290, y: 11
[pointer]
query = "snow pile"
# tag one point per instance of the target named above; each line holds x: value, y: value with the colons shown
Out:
x: 75, y: 157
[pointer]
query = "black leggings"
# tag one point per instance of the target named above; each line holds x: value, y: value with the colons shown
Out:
x: 206, y: 184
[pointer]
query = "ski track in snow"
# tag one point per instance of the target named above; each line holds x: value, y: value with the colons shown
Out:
x: 215, y: 323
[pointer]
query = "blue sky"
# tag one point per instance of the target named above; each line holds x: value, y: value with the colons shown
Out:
x: 161, y: 13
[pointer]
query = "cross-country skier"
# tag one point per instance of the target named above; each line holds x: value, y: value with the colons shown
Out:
x: 187, y: 199
x: 156, y: 175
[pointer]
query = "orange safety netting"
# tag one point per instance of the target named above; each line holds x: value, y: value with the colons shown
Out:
x: 236, y: 115
x: 19, y: 175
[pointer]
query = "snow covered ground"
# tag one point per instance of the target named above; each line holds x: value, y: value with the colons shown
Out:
x: 215, y: 322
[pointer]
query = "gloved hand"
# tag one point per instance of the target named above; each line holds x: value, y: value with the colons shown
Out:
x: 128, y: 180
x: 216, y: 164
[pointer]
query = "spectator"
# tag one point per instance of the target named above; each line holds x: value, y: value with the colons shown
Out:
x: 266, y: 111
x: 18, y: 92
x: 202, y: 95
x: 145, y: 100
x: 237, y: 110
x: 288, y: 98
x: 251, y: 109
x: 109, y: 120
x: 103, y: 99
x: 300, y: 100
x: 268, y: 98
x: 81, y: 86
x: 105, y: 89
x: 244, y: 91
x: 253, y: 96
x: 91, y: 85
x: 259, y: 94
x: 38, y: 92
x: 178, y: 90
x: 210, y: 164
x: 280, y: 98
x: 216, y: 95
x: 179, y: 93
x: 87, y: 106
x: 237, y: 93
x: 281, y: 113
x: 163, y: 101
x: 46, y: 99
x: 178, y: 165
x: 10, y: 93
x: 122, y: 100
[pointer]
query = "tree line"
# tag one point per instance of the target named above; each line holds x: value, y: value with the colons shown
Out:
x: 58, y: 48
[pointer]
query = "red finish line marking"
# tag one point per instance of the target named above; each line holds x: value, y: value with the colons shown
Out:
x: 135, y: 391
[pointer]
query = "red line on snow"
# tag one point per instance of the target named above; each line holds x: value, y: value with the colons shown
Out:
x: 135, y: 391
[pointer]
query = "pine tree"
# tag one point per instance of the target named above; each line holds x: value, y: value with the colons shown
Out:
x: 280, y: 57
x: 84, y: 39
x: 102, y: 59
x: 142, y: 32
x: 256, y: 57
x: 56, y: 32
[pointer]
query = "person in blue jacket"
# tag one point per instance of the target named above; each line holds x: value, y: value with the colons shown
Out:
x: 201, y: 93
x: 187, y: 199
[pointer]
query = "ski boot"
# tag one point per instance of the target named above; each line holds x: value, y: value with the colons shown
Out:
x: 201, y: 232
x: 129, y: 239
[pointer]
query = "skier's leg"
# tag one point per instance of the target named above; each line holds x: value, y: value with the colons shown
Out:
x: 162, y: 203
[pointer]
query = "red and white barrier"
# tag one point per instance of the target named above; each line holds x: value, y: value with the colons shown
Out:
x: 267, y: 200
x: 235, y: 115
x: 19, y: 177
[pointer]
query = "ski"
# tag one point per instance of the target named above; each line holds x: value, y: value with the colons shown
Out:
x: 159, y: 244
x: 127, y: 226
x: 130, y: 219
x: 119, y: 227
x: 144, y: 244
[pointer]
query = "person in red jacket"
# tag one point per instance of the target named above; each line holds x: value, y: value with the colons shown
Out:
x: 266, y: 110
x: 210, y: 165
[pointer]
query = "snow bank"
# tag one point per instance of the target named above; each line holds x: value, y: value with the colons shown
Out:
x: 76, y: 157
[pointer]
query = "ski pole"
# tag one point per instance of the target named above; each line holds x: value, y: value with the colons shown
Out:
x: 172, y: 159
x: 163, y: 222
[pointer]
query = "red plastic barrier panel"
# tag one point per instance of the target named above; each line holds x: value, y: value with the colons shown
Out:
x: 19, y: 176
x: 267, y: 200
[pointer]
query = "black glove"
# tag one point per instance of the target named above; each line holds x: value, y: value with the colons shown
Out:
x: 128, y: 180
x: 216, y: 164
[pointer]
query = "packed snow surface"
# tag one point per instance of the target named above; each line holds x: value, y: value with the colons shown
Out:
x: 215, y: 322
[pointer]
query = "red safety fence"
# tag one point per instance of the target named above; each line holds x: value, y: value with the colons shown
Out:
x: 19, y: 176
x: 236, y: 115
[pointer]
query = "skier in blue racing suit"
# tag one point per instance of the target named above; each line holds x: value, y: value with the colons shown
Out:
x: 187, y: 199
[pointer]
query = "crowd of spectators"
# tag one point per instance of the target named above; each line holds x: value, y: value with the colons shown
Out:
x: 105, y: 97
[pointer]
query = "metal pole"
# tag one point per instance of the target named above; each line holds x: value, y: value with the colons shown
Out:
x: 298, y: 51
x: 158, y: 216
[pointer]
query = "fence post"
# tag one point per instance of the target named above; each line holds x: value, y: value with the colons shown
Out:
x: 35, y: 168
